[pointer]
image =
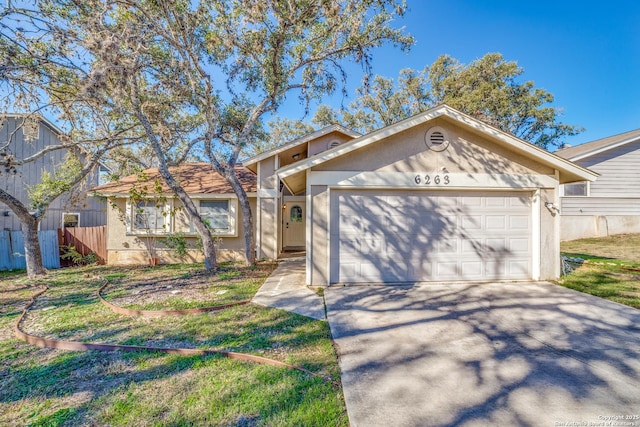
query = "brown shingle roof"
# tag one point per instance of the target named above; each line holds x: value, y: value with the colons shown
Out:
x: 597, y: 145
x: 195, y: 178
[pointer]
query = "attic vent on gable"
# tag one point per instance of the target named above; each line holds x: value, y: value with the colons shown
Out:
x: 333, y: 144
x: 436, y: 139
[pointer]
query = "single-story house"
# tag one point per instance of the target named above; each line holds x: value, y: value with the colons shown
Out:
x: 610, y: 205
x: 143, y: 212
x: 439, y: 196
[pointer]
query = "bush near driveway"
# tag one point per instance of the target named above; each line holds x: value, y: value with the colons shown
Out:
x: 54, y: 387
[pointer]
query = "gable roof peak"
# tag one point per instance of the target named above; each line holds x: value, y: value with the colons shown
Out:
x: 302, y: 140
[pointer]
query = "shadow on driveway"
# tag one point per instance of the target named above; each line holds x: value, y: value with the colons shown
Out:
x: 508, y: 354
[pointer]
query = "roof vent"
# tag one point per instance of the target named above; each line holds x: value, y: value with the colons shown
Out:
x: 436, y: 139
x: 333, y: 144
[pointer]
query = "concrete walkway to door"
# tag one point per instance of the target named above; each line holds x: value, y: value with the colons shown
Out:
x: 286, y: 289
x: 501, y: 354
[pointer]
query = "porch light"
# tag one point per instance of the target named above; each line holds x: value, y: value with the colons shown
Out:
x: 296, y: 156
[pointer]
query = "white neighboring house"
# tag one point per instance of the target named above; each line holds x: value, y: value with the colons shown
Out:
x: 611, y: 204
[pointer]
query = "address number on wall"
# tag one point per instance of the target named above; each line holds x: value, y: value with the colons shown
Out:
x: 432, y: 179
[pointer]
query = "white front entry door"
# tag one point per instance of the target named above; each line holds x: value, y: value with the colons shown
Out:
x: 294, y: 222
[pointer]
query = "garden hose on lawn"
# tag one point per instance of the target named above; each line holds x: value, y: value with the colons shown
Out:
x: 85, y: 346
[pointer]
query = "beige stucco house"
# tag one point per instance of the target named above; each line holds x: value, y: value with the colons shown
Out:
x: 436, y: 197
x: 610, y: 205
x: 143, y: 211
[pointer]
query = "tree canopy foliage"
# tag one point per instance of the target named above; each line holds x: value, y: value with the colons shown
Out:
x: 195, y: 78
x: 488, y: 89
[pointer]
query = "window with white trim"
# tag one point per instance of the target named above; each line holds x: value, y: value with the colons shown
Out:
x: 149, y: 215
x: 576, y: 189
x: 216, y: 214
x: 70, y: 220
x: 220, y: 215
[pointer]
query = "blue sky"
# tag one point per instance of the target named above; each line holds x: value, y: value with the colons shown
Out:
x: 587, y: 54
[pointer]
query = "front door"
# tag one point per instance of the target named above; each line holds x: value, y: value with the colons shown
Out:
x: 293, y: 222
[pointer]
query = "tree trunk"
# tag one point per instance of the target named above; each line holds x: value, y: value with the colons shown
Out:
x: 247, y: 217
x: 208, y: 247
x: 32, y: 253
x: 29, y: 225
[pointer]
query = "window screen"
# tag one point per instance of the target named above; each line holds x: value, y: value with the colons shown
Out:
x: 215, y: 213
x: 148, y: 216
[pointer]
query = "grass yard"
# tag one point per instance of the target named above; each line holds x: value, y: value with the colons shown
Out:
x: 45, y: 387
x: 610, y: 268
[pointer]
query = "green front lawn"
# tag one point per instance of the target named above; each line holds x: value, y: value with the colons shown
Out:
x: 55, y: 387
x: 611, y: 270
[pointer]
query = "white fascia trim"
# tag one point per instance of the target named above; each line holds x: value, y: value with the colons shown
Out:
x: 300, y: 141
x: 603, y: 149
x: 350, y: 146
x: 443, y: 110
x: 173, y: 196
x: 555, y: 161
x: 408, y: 180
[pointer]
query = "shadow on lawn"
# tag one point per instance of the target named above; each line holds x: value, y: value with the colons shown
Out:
x: 588, y: 257
x: 41, y: 374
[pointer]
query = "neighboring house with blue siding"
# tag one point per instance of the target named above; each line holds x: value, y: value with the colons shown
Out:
x: 78, y: 211
x: 611, y: 204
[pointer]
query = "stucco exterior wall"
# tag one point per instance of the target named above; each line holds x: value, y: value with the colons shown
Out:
x: 317, y: 248
x: 468, y: 153
x: 322, y: 144
x: 268, y: 239
x: 131, y: 249
x: 549, y: 236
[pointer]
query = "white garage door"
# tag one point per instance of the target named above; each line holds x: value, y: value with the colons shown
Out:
x: 410, y: 236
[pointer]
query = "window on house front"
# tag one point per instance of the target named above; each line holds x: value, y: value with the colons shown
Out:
x: 70, y: 220
x: 149, y: 215
x: 577, y: 189
x: 216, y: 214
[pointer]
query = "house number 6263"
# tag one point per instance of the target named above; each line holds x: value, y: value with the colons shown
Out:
x: 435, y: 179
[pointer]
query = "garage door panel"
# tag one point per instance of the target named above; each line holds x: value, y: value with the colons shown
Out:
x: 519, y: 245
x: 472, y: 222
x: 420, y: 236
x: 518, y: 268
x: 519, y: 222
x: 447, y: 246
x: 496, y: 202
x: 471, y: 269
x: 496, y: 222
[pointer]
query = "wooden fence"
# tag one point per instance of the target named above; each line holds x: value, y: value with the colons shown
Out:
x: 86, y: 240
x: 12, y: 249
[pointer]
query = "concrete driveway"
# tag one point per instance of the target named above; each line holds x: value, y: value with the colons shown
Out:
x: 503, y: 354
